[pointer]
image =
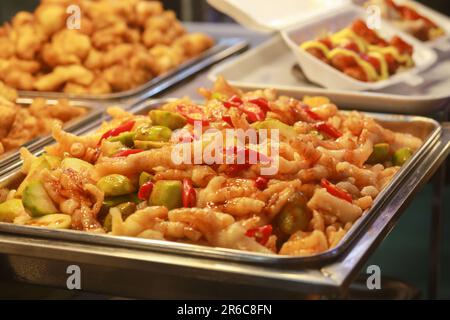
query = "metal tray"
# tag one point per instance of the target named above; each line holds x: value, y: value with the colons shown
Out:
x: 94, y: 114
x: 223, y: 48
x: 272, y: 64
x: 147, y: 274
x: 427, y: 129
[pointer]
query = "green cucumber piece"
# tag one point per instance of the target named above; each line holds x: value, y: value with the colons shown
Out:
x: 11, y: 209
x: 126, y: 138
x: 115, y: 185
x: 144, y: 177
x: 379, y: 154
x: 401, y: 156
x: 167, y: 193
x: 111, y: 202
x: 126, y: 209
x: 153, y: 133
x: 43, y: 162
x: 77, y: 165
x: 52, y: 221
x: 148, y: 145
x: 167, y: 119
x: 36, y: 200
x: 271, y: 124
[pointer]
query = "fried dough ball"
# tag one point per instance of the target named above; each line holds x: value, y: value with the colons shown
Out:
x: 19, y: 79
x: 18, y: 124
x: 7, y: 48
x: 28, y: 40
x: 193, y: 44
x: 60, y: 75
x: 98, y: 86
x: 165, y: 58
x: 67, y: 47
x: 6, y: 120
x: 51, y: 17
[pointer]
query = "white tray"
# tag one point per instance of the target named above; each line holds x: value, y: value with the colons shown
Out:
x: 273, y: 65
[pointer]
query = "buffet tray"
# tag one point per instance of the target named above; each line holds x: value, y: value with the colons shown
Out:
x: 273, y: 64
x: 94, y: 113
x: 147, y: 274
x: 427, y: 129
x: 223, y: 48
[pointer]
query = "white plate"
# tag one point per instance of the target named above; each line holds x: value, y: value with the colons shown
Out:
x: 329, y: 77
x: 271, y: 65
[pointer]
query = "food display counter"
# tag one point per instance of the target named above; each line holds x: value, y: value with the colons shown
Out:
x: 154, y: 263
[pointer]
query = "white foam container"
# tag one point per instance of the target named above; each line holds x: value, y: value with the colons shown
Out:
x: 321, y: 73
x: 300, y: 21
x: 442, y: 43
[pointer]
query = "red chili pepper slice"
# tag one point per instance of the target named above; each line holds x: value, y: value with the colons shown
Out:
x: 247, y: 153
x: 189, y: 195
x: 402, y: 46
x: 352, y: 46
x: 183, y: 137
x: 193, y: 114
x: 145, y: 191
x: 260, y: 234
x: 328, y: 129
x: 228, y: 120
x: 314, y: 116
x: 261, y: 183
x: 327, y: 42
x: 262, y: 103
x: 126, y: 153
x: 192, y: 119
x: 233, y: 102
x: 254, y: 113
x: 127, y: 126
x: 335, y: 191
x: 234, y: 169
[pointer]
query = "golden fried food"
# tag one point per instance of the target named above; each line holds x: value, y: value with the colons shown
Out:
x: 116, y: 46
x: 126, y: 179
x: 19, y: 125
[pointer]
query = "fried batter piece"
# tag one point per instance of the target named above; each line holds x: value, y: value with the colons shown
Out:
x: 119, y: 46
x: 19, y: 124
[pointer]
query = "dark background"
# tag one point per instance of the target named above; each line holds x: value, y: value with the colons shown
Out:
x: 201, y: 11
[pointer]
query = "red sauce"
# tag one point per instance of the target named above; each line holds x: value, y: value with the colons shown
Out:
x: 373, y: 61
x: 402, y: 46
x: 352, y: 46
x: 327, y: 42
x: 362, y: 30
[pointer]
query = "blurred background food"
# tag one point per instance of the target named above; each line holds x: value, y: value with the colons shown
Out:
x: 186, y: 10
x: 19, y: 124
x: 114, y: 46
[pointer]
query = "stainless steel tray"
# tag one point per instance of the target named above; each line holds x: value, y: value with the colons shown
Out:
x: 224, y: 48
x: 272, y: 64
x: 94, y: 114
x: 427, y: 129
x: 150, y: 274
